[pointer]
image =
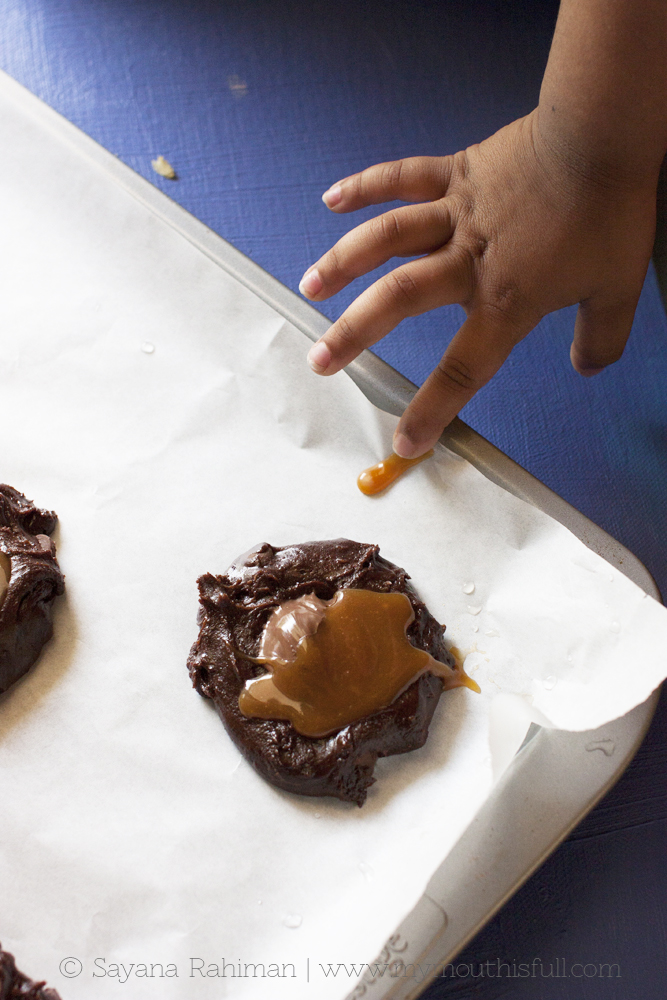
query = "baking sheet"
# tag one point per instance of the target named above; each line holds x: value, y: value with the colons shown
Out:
x: 167, y: 415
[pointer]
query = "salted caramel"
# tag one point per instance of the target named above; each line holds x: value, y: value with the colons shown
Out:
x: 330, y: 663
x: 379, y: 477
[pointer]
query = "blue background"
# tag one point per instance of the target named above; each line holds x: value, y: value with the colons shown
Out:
x: 260, y: 106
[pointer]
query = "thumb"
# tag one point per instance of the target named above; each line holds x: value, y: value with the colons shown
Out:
x: 474, y: 356
x: 601, y: 332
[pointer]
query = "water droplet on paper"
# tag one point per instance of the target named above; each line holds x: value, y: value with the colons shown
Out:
x: 606, y: 746
x: 147, y: 347
x: 475, y: 627
x: 550, y: 683
x: 292, y: 920
x: 366, y: 871
x: 611, y: 579
x: 614, y: 627
x: 473, y: 609
x: 317, y: 815
x: 259, y: 902
x: 468, y: 588
x: 492, y: 632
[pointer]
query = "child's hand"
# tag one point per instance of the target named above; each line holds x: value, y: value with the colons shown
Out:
x: 511, y: 229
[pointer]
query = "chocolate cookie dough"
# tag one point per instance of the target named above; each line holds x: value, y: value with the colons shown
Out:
x: 234, y: 611
x: 13, y: 984
x: 30, y: 580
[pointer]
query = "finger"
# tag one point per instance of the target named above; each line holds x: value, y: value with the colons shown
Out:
x: 437, y: 280
x: 403, y: 232
x: 417, y: 178
x: 601, y: 332
x: 475, y: 354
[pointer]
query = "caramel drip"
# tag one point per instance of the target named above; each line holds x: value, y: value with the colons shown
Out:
x: 357, y: 661
x: 382, y: 475
x: 464, y: 680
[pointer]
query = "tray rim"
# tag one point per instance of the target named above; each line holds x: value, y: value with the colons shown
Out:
x: 429, y: 931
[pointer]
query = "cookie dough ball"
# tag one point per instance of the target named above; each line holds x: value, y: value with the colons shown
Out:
x: 30, y: 581
x: 235, y: 608
x: 14, y: 985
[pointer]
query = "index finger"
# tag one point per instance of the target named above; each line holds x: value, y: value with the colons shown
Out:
x: 473, y: 357
x: 417, y: 178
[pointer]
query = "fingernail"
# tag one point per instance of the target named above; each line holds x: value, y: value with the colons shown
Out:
x: 311, y: 283
x: 404, y: 447
x: 319, y: 357
x: 332, y: 197
x: 589, y: 372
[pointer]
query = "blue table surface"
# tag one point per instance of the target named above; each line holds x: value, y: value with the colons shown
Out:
x: 260, y: 106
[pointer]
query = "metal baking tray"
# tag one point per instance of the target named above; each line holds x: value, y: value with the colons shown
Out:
x: 556, y: 777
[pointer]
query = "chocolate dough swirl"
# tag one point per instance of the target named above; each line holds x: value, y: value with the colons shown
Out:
x: 14, y: 985
x: 234, y: 610
x: 28, y: 558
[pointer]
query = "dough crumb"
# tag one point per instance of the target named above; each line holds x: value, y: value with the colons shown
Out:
x: 164, y: 169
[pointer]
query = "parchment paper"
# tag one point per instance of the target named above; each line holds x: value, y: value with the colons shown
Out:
x: 169, y: 418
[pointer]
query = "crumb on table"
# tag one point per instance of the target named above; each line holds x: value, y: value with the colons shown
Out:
x: 163, y: 168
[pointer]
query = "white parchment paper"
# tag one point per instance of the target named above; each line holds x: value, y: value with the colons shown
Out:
x: 169, y: 418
